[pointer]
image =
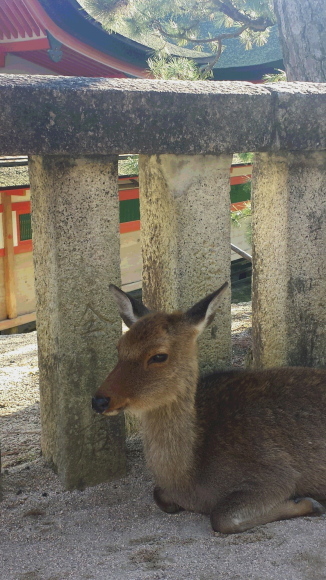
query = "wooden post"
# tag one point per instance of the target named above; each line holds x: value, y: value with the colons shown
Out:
x: 9, y: 271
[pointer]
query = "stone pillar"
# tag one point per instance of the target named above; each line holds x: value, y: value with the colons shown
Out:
x: 75, y: 213
x: 289, y: 259
x: 185, y: 217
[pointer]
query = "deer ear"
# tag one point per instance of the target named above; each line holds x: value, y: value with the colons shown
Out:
x: 202, y: 313
x: 130, y: 309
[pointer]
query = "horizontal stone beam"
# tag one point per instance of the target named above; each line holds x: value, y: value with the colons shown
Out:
x: 83, y: 116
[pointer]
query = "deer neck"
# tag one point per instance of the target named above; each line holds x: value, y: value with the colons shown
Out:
x: 169, y: 435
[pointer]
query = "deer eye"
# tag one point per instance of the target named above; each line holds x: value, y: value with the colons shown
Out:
x: 158, y: 358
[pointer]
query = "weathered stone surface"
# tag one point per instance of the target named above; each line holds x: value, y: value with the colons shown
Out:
x: 185, y: 216
x: 289, y: 267
x: 78, y: 116
x: 76, y: 255
x: 300, y: 116
x: 185, y: 133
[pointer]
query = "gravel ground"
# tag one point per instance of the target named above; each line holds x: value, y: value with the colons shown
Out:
x: 114, y: 530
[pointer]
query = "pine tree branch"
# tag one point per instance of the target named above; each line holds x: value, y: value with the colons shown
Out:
x: 212, y: 61
x: 183, y: 36
x: 227, y: 8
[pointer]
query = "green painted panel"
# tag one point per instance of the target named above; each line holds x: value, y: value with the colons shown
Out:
x: 25, y: 227
x: 129, y: 210
x: 240, y: 192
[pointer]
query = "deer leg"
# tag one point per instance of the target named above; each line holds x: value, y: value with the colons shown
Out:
x: 237, y: 514
x: 163, y: 502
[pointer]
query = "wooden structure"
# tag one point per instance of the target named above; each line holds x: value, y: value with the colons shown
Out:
x: 60, y: 38
x: 17, y: 293
x: 57, y: 37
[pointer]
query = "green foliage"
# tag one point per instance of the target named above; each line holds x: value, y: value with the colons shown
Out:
x: 243, y: 158
x: 237, y: 216
x: 172, y: 27
x: 275, y: 78
x: 174, y: 68
x: 128, y: 166
x: 250, y: 37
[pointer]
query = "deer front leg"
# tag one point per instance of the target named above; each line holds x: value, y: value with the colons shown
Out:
x: 237, y: 514
x: 163, y: 502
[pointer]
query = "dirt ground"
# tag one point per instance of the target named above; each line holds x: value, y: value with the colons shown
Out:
x: 114, y: 530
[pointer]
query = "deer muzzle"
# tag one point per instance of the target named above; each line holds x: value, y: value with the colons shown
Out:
x: 111, y: 398
x: 100, y: 404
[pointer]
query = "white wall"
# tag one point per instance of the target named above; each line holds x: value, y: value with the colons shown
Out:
x: 16, y: 65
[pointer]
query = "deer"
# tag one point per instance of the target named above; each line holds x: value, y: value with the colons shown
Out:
x: 244, y: 446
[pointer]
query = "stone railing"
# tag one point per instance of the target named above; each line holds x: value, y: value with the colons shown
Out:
x: 73, y: 129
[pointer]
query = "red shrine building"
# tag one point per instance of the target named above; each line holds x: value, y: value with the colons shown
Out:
x: 57, y: 37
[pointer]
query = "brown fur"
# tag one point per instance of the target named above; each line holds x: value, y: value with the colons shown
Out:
x: 240, y: 446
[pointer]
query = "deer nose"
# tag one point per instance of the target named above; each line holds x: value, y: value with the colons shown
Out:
x: 100, y: 404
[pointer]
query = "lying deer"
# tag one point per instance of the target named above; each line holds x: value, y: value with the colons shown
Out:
x: 245, y: 447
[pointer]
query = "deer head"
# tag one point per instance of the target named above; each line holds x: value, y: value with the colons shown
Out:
x: 157, y: 355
